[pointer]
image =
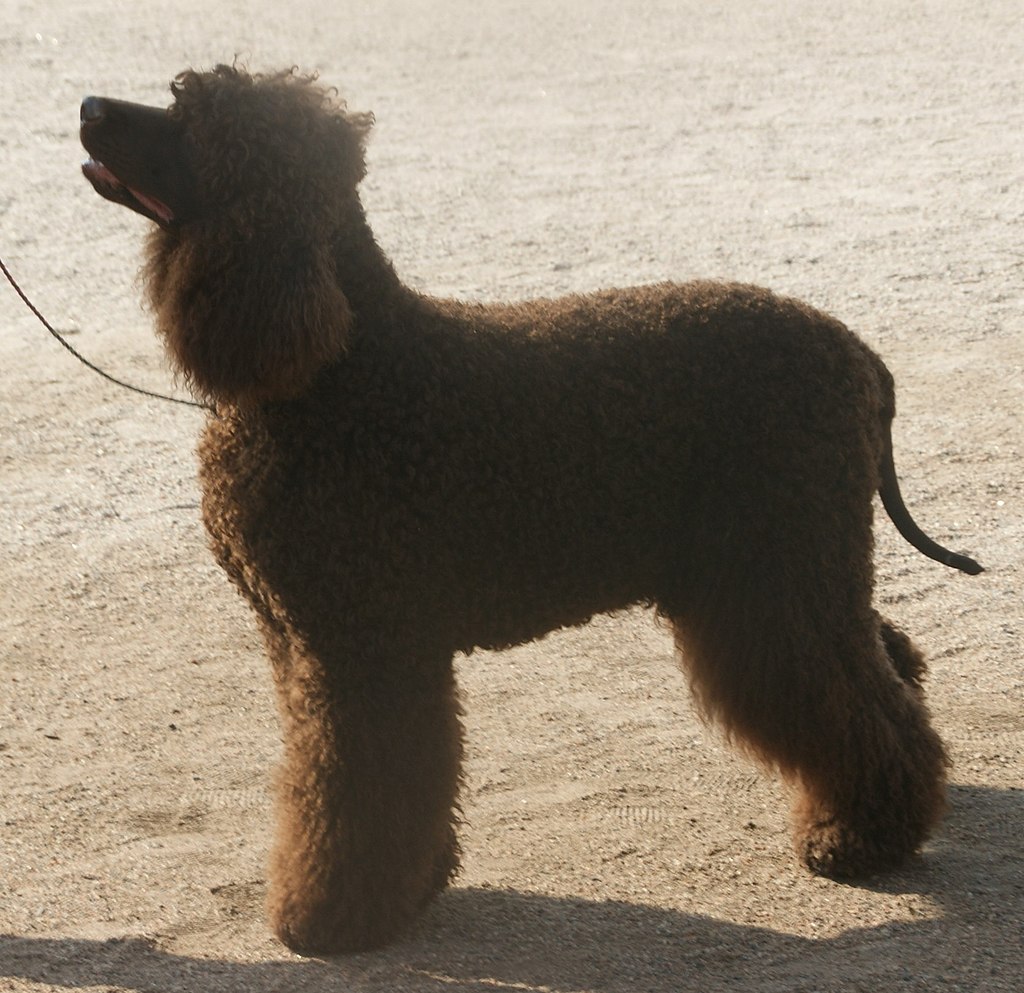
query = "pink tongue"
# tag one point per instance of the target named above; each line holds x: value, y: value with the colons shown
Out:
x: 156, y: 206
x: 102, y: 172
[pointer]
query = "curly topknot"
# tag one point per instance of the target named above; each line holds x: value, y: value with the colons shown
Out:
x: 307, y: 139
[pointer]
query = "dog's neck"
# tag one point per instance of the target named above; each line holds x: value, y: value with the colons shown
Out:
x: 365, y: 273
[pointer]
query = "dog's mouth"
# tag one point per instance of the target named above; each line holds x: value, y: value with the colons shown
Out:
x: 107, y: 185
x: 141, y: 158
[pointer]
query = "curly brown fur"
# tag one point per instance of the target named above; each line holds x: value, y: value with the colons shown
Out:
x: 279, y: 140
x: 391, y: 479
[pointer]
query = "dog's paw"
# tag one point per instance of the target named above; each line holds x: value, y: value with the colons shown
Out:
x: 324, y: 930
x: 838, y: 851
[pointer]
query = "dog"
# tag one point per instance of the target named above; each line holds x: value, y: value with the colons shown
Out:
x: 391, y: 478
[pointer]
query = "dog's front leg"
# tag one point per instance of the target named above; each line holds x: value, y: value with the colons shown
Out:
x: 367, y: 796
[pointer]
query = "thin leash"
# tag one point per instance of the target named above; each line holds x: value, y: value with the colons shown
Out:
x: 81, y: 358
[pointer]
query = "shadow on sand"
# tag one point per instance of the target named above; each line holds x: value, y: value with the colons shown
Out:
x: 479, y: 940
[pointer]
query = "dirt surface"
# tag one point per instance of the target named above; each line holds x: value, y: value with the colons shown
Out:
x: 866, y: 157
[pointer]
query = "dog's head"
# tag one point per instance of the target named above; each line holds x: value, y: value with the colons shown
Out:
x: 251, y: 181
x: 231, y: 143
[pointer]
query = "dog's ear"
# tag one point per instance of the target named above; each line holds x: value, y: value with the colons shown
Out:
x: 247, y: 326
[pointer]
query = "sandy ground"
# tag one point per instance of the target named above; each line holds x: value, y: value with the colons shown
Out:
x: 866, y: 157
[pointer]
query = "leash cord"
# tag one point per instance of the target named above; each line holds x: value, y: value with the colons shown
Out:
x: 81, y: 358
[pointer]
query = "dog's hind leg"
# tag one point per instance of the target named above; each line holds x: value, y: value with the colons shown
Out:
x: 877, y: 804
x: 809, y: 679
x: 367, y: 797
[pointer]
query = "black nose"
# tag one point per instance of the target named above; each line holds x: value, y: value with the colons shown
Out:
x: 92, y: 109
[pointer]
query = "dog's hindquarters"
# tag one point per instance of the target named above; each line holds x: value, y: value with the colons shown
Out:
x: 782, y: 645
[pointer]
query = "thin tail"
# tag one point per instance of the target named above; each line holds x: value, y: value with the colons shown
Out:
x: 892, y: 500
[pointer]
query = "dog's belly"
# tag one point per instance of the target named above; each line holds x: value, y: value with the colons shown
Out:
x: 548, y: 569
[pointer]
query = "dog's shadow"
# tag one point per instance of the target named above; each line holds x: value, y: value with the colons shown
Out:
x: 478, y: 940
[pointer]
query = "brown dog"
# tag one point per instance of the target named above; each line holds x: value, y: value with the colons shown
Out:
x: 391, y: 479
